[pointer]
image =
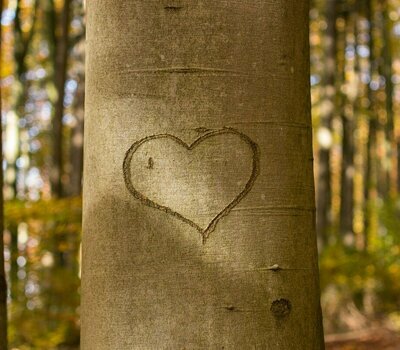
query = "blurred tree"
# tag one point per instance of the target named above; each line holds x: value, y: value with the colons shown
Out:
x: 348, y: 123
x: 324, y: 133
x: 74, y: 187
x: 60, y: 36
x: 74, y: 170
x: 370, y: 163
x: 22, y: 43
x: 23, y: 40
x: 3, y: 284
x: 386, y: 62
x: 44, y: 312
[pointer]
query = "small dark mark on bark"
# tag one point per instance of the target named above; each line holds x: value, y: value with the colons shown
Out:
x: 202, y: 130
x: 172, y: 7
x: 283, y: 59
x: 281, y: 308
x: 150, y: 163
x: 231, y: 308
x: 276, y: 268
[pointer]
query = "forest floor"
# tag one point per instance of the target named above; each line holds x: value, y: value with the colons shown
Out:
x: 369, y: 339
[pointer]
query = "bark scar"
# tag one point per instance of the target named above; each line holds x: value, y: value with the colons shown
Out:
x: 150, y: 164
x: 172, y: 7
x: 281, y: 308
x: 205, y: 232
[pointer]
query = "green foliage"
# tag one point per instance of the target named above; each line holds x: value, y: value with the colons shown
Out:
x: 386, y: 248
x: 44, y: 305
x: 375, y: 270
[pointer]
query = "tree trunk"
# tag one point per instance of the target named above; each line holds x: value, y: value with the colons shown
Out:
x: 324, y: 170
x: 370, y: 163
x: 347, y: 169
x: 199, y: 213
x: 388, y: 73
x: 22, y: 42
x: 3, y: 284
x: 60, y: 74
x: 76, y: 145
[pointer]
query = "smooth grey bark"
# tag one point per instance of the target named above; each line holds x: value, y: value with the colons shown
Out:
x: 199, y: 213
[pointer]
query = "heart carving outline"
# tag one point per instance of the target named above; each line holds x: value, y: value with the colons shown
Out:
x: 205, y: 233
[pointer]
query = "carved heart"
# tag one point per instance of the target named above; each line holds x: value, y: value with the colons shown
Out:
x: 197, y: 183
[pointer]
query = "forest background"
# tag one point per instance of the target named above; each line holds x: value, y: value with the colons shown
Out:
x: 355, y: 92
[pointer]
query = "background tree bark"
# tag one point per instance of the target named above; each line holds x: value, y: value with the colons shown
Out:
x: 3, y: 284
x: 61, y: 26
x: 347, y: 169
x: 324, y: 194
x: 76, y: 145
x: 386, y: 61
x: 370, y: 162
x: 235, y: 77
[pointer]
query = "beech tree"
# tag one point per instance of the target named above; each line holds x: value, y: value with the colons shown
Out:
x: 199, y: 212
x: 3, y: 284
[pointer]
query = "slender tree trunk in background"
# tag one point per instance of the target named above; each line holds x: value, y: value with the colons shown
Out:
x: 60, y: 74
x: 199, y: 208
x: 370, y: 180
x: 3, y: 284
x: 347, y: 169
x: 22, y: 42
x: 383, y: 144
x: 387, y: 73
x: 76, y: 153
x: 398, y: 163
x: 347, y: 178
x: 324, y: 175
